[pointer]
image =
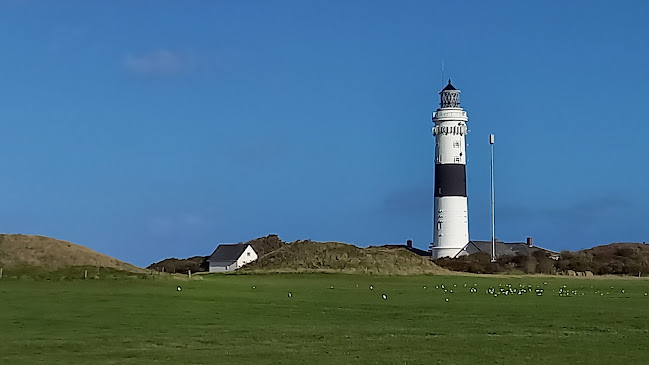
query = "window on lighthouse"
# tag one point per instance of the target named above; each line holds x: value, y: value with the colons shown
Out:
x: 456, y: 144
x: 457, y: 159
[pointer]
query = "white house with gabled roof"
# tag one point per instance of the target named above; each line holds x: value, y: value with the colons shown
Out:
x: 228, y: 257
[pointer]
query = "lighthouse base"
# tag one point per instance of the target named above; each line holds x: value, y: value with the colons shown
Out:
x: 439, y: 252
x: 451, y: 227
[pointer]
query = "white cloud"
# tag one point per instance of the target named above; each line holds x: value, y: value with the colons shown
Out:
x: 159, y: 63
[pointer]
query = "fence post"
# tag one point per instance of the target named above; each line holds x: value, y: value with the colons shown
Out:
x: 85, y: 274
x: 1, y: 272
x: 190, y: 273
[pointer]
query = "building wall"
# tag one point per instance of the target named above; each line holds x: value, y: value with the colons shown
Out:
x: 248, y: 255
x: 451, y: 129
x: 219, y: 266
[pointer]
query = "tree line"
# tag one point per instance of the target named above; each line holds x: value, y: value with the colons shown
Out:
x: 620, y: 260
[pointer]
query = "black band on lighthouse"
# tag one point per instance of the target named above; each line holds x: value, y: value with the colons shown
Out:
x: 450, y: 180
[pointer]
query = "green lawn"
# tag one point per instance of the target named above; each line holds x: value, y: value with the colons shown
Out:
x: 223, y: 320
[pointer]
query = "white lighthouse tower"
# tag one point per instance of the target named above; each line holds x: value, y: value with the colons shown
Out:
x: 451, y: 219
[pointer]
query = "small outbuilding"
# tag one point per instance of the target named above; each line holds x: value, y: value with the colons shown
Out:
x: 228, y: 257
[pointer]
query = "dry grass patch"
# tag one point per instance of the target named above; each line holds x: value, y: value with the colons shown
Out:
x: 18, y: 250
x: 308, y: 256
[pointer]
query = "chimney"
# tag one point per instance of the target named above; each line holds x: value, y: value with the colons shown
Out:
x: 529, y: 242
x: 409, y: 243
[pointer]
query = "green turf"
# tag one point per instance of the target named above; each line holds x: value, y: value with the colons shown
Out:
x: 223, y: 320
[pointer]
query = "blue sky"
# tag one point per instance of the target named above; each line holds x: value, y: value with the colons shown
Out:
x: 152, y: 129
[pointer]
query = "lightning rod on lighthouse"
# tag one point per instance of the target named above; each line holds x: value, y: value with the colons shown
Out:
x: 450, y: 214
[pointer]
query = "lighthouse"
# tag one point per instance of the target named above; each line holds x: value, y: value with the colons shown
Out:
x: 450, y: 216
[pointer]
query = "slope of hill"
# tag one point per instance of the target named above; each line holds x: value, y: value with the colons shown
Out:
x: 618, y: 249
x: 265, y: 245
x: 18, y: 250
x: 616, y: 258
x: 308, y: 256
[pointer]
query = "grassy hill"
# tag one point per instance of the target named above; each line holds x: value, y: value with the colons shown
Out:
x: 309, y: 256
x: 616, y: 258
x: 618, y: 249
x: 19, y: 251
x: 276, y: 255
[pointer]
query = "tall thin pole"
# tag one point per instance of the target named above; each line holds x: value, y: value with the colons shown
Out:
x: 493, y: 215
x: 442, y: 73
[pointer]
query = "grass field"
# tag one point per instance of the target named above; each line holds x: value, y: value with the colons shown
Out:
x: 223, y: 319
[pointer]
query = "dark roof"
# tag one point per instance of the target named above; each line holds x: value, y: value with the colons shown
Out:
x: 419, y: 251
x: 449, y: 86
x: 502, y: 248
x: 228, y: 252
x: 415, y: 250
x: 485, y: 246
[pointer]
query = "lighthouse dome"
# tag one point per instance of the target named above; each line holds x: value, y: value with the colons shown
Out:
x: 449, y: 86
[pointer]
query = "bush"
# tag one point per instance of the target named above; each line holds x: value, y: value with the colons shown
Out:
x: 479, y: 263
x: 614, y: 259
x: 181, y: 266
x: 545, y: 265
x: 576, y: 261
